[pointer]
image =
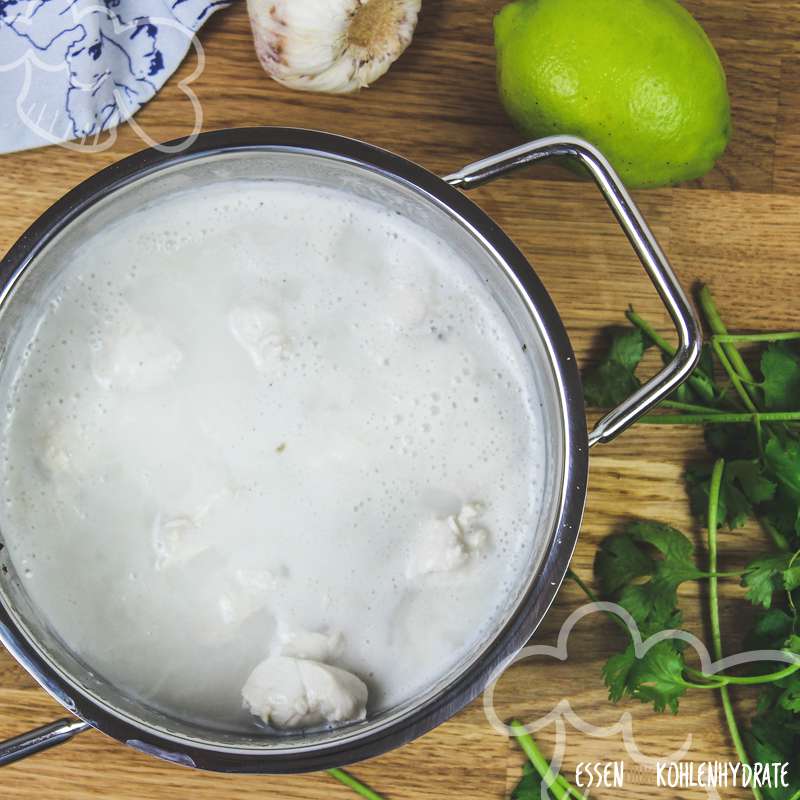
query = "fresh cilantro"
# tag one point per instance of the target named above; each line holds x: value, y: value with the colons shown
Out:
x: 774, y: 732
x: 749, y: 475
x: 734, y: 507
x: 782, y: 457
x: 789, y: 697
x: 666, y: 557
x: 782, y: 463
x: 732, y: 442
x: 656, y: 677
x: 744, y: 485
x: 614, y: 379
x: 753, y: 429
x: 619, y: 561
x: 647, y: 549
x: 774, y: 737
x: 770, y: 573
x: 771, y: 630
x: 529, y: 786
x: 780, y: 366
x: 537, y: 772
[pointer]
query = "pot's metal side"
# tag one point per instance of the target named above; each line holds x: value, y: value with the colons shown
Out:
x: 556, y: 558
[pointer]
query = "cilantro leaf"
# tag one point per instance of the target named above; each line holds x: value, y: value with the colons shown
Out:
x: 656, y: 677
x: 780, y: 366
x: 789, y: 698
x: 624, y: 557
x: 529, y: 786
x: 666, y: 557
x: 744, y: 486
x: 533, y: 785
x: 732, y: 442
x: 782, y: 456
x: 620, y: 560
x: 670, y: 541
x: 783, y: 514
x: 749, y: 474
x: 652, y: 605
x: 733, y: 507
x: 770, y: 573
x: 782, y: 462
x: 761, y: 577
x: 770, y: 631
x: 774, y: 737
x: 614, y: 379
x: 627, y: 347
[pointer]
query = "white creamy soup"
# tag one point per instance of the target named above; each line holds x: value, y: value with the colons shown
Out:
x: 271, y: 455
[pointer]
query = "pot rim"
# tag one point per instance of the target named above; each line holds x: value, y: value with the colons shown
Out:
x: 542, y: 590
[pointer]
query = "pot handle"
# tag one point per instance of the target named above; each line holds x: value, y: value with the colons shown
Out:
x: 32, y: 742
x: 644, y: 243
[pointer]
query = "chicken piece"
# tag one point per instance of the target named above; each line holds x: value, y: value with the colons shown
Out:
x: 179, y: 538
x: 260, y: 333
x: 289, y: 692
x: 176, y: 541
x: 446, y: 545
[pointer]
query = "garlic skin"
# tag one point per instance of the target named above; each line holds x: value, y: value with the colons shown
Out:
x: 331, y: 46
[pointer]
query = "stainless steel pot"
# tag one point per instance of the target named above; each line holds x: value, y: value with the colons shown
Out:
x: 436, y: 202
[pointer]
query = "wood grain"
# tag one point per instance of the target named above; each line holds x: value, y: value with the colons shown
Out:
x: 737, y: 229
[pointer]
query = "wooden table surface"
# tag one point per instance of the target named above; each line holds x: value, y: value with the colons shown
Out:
x: 737, y: 229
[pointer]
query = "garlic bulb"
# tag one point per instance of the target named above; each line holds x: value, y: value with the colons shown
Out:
x: 334, y: 46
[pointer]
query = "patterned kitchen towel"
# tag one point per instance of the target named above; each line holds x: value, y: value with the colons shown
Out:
x: 72, y: 69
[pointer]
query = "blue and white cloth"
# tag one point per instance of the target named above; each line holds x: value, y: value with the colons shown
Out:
x: 75, y: 69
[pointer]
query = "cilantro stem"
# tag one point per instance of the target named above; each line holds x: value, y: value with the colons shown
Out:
x: 646, y: 328
x: 689, y: 407
x: 359, y: 788
x: 702, y: 383
x: 713, y: 602
x: 747, y: 680
x: 555, y: 782
x: 789, y: 595
x: 731, y: 355
x: 757, y: 337
x: 690, y: 685
x: 759, y: 435
x: 582, y: 584
x: 741, y: 389
x: 755, y: 680
x: 705, y: 676
x: 724, y: 417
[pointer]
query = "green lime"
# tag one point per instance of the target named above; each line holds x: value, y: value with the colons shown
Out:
x: 637, y: 78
